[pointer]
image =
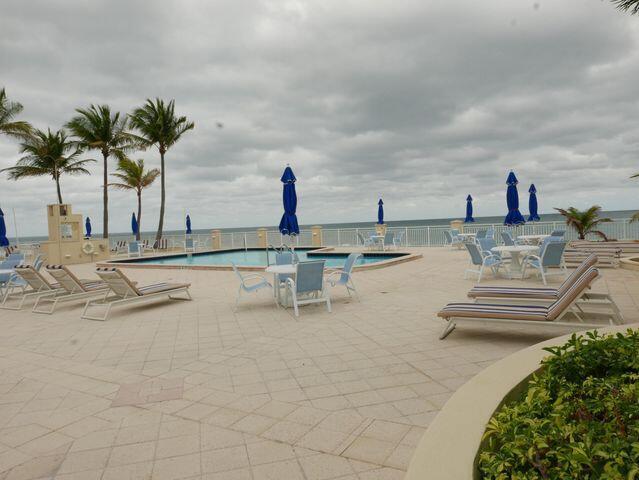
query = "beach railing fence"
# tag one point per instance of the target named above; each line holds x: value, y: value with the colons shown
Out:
x: 413, y: 236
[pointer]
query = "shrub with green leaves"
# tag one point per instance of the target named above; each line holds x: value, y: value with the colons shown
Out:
x: 578, y: 418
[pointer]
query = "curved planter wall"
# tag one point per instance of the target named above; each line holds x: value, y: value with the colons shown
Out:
x: 631, y: 263
x: 448, y: 449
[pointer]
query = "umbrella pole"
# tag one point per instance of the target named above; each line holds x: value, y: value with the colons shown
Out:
x: 15, y: 225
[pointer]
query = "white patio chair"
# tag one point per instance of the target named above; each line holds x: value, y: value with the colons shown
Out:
x: 481, y: 260
x: 345, y: 275
x: 367, y: 243
x: 250, y: 283
x: 398, y: 240
x: 453, y: 240
x: 308, y: 286
x: 189, y: 245
x: 551, y: 254
x: 134, y: 249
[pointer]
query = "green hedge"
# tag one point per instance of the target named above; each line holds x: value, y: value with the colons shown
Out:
x: 577, y: 419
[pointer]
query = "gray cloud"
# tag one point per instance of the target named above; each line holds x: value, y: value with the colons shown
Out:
x: 419, y: 102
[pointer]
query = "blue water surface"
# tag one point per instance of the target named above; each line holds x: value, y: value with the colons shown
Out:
x: 257, y: 258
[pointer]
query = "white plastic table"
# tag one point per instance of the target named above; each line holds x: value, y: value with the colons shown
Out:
x: 277, y: 270
x: 532, y: 238
x: 515, y: 251
x: 5, y: 271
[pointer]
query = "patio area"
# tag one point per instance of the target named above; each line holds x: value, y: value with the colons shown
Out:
x: 196, y: 390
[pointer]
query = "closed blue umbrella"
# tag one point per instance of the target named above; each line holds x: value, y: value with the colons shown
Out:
x: 469, y: 210
x: 532, y: 204
x: 134, y: 224
x: 288, y: 224
x: 188, y: 225
x: 514, y: 216
x: 4, y: 241
x: 380, y: 212
x: 87, y: 226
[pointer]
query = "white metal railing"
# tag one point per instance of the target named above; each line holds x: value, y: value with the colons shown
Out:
x: 413, y: 236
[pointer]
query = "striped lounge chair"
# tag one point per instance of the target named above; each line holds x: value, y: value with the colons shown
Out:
x: 72, y: 289
x: 507, y: 294
x: 124, y: 291
x: 540, y: 315
x: 27, y: 277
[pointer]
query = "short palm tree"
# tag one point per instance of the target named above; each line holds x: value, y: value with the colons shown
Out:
x: 133, y: 176
x: 157, y: 124
x: 632, y: 5
x: 97, y: 128
x: 586, y: 221
x: 8, y: 111
x: 48, y: 154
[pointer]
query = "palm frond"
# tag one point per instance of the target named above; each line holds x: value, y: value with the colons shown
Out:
x: 8, y: 111
x: 627, y: 5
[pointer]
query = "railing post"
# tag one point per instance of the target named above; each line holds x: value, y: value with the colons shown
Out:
x: 339, y: 243
x: 428, y: 236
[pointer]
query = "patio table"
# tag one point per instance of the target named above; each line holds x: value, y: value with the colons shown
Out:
x: 515, y: 251
x: 6, y: 270
x: 277, y: 270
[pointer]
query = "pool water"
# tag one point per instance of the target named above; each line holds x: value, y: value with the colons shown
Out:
x: 258, y: 258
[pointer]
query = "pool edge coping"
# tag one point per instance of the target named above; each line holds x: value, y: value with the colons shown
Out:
x: 405, y: 257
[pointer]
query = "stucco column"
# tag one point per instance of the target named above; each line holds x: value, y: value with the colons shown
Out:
x: 216, y: 239
x: 316, y: 234
x: 457, y: 225
x: 262, y: 238
x: 380, y: 229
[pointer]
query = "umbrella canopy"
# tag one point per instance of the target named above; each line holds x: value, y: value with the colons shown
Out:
x: 288, y: 224
x: 380, y: 212
x: 514, y: 216
x: 134, y: 224
x: 87, y: 226
x: 532, y: 204
x: 4, y: 241
x: 188, y: 225
x: 469, y: 210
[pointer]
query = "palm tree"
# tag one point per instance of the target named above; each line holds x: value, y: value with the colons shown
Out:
x: 133, y: 176
x: 48, y: 153
x: 96, y: 128
x: 625, y: 5
x: 8, y: 110
x: 158, y: 125
x: 586, y: 221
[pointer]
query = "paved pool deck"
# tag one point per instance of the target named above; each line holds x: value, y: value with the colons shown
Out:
x: 196, y: 390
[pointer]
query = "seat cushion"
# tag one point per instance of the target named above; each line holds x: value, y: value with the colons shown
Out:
x: 476, y: 310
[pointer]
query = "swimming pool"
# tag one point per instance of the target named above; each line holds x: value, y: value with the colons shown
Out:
x: 255, y: 258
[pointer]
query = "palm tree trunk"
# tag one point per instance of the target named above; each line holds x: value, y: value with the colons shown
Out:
x: 105, y: 199
x: 137, y: 236
x: 57, y: 186
x: 158, y: 235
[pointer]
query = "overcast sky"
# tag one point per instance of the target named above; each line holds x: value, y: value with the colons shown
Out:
x: 418, y: 101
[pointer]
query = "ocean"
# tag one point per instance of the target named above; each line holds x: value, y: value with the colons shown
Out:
x: 549, y: 217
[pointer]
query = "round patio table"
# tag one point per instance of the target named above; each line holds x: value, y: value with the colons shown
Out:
x: 537, y: 239
x: 515, y: 251
x: 5, y: 271
x: 277, y: 270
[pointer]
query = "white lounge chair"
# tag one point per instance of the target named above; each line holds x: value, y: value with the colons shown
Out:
x: 545, y: 295
x: 538, y: 315
x: 125, y: 292
x: 345, y: 275
x: 250, y: 283
x: 72, y: 289
x: 308, y: 286
x: 27, y: 277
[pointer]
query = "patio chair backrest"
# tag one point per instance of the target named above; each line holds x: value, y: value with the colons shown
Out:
x: 134, y: 247
x: 553, y: 253
x: 454, y: 232
x: 475, y: 255
x: 237, y: 272
x: 546, y: 241
x: 360, y: 238
x: 487, y: 244
x: 574, y: 292
x: 283, y: 258
x: 310, y: 276
x: 33, y: 278
x: 480, y: 234
x: 10, y: 263
x: 118, y: 282
x: 388, y: 238
x: 188, y: 243
x: 65, y: 278
x: 490, y: 233
x: 449, y: 236
x: 507, y: 239
x: 582, y: 268
x: 558, y: 233
x: 348, y: 266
